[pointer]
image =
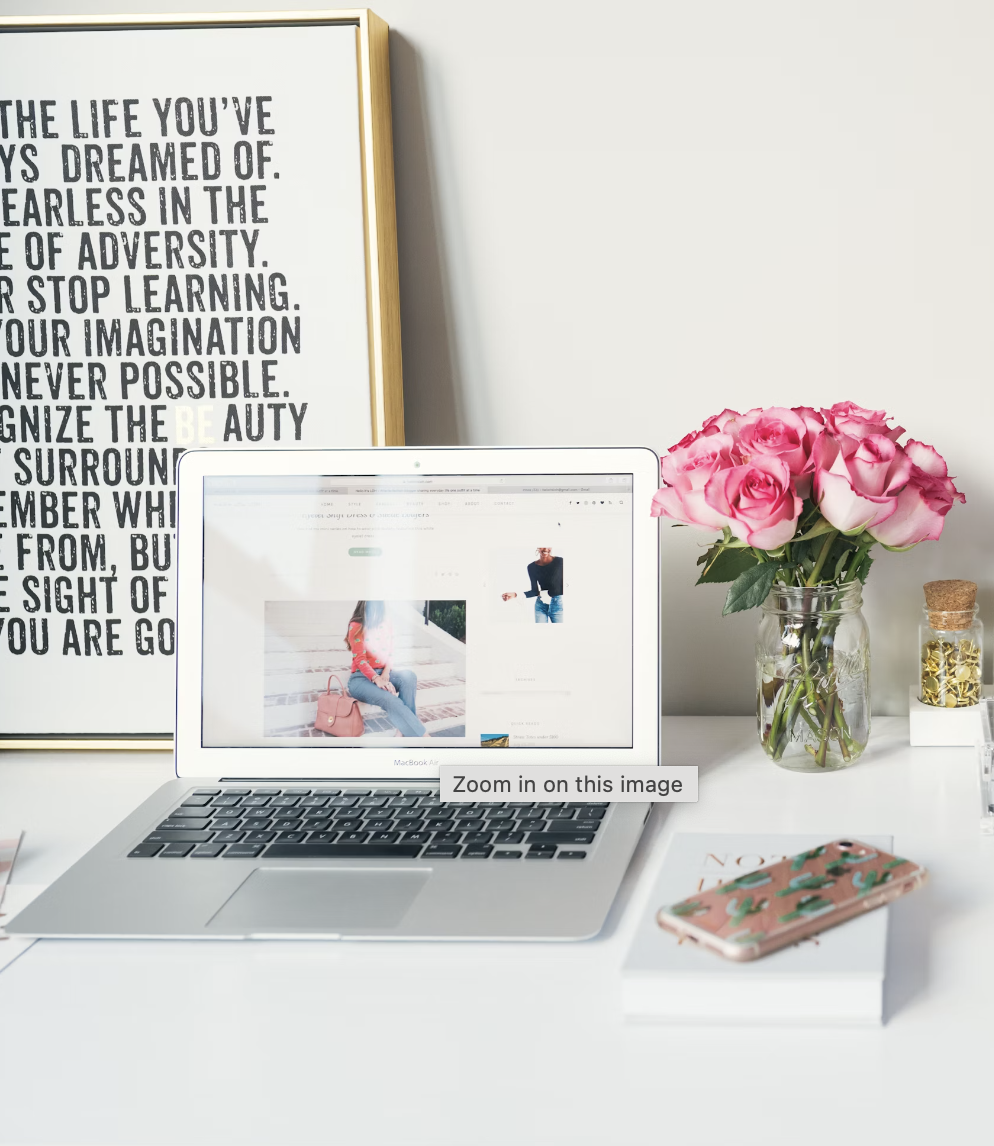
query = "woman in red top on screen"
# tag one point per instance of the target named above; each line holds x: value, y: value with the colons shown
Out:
x: 374, y: 679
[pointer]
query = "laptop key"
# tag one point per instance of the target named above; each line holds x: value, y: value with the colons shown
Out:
x: 244, y: 851
x: 178, y: 837
x: 207, y: 792
x: 417, y: 791
x: 507, y: 855
x: 572, y: 825
x: 343, y: 801
x: 541, y: 855
x: 176, y: 851
x: 314, y: 802
x: 387, y: 792
x: 378, y: 825
x: 327, y: 791
x: 284, y: 801
x: 442, y: 851
x: 238, y: 791
x: 572, y: 855
x: 348, y: 825
x: 286, y: 825
x: 266, y: 791
x: 185, y: 813
x: 323, y: 837
x: 354, y: 837
x: 476, y: 851
x: 145, y: 851
x: 291, y: 837
x: 342, y: 851
x: 255, y: 838
x: 196, y: 801
x: 226, y: 801
x: 226, y: 825
x: 589, y: 812
x: 228, y: 837
x: 207, y: 851
x: 384, y: 837
x: 296, y: 791
x: 479, y: 838
x: 509, y: 837
x: 184, y: 825
x: 560, y: 813
x: 469, y: 825
x: 316, y: 825
x: 255, y: 801
x: 416, y: 837
x: 446, y: 837
x: 560, y: 838
x: 254, y: 825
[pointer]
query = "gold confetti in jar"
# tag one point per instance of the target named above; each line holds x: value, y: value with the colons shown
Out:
x: 951, y: 638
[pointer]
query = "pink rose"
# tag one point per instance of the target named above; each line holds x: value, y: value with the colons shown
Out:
x: 856, y: 481
x: 814, y: 422
x: 714, y: 425
x: 922, y: 504
x: 846, y: 419
x: 686, y: 471
x: 758, y: 501
x: 780, y: 433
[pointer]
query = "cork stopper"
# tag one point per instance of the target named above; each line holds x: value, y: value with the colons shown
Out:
x: 950, y: 604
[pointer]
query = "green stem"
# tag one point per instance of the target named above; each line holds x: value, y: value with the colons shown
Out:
x: 822, y: 558
x: 822, y: 752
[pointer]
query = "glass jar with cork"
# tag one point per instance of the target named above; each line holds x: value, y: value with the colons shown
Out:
x: 951, y: 641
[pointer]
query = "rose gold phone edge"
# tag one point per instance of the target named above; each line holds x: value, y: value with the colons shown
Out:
x: 789, y: 935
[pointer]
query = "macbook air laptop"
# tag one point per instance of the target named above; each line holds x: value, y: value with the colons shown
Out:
x: 350, y: 621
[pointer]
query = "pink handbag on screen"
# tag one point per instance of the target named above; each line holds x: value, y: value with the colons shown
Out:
x: 338, y: 713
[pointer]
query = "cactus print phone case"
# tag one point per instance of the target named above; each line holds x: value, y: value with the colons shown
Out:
x: 782, y: 904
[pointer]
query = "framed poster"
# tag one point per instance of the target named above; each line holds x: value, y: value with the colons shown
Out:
x: 197, y: 248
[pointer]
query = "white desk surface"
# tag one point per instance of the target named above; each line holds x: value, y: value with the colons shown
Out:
x: 180, y: 1042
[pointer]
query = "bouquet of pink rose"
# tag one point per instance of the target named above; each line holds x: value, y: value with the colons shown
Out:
x: 800, y: 497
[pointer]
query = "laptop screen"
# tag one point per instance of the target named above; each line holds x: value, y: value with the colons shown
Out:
x: 472, y: 610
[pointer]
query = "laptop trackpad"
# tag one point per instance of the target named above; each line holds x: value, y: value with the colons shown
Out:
x: 294, y: 900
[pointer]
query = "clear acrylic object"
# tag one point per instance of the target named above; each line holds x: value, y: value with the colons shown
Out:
x: 985, y: 761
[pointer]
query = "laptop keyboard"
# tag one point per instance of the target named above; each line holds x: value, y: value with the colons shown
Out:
x: 365, y: 823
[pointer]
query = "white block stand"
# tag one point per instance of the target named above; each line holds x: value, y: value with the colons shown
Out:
x: 933, y: 727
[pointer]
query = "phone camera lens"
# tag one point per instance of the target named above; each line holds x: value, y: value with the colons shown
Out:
x: 845, y: 843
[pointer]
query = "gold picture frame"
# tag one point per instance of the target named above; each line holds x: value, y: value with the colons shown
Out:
x: 382, y: 297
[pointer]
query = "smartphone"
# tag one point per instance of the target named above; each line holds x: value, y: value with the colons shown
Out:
x: 791, y: 900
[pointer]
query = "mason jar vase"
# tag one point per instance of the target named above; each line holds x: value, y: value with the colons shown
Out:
x: 813, y: 677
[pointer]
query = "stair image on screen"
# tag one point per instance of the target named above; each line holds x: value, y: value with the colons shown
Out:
x: 307, y: 641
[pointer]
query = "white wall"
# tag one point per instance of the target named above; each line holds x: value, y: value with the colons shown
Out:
x: 616, y: 220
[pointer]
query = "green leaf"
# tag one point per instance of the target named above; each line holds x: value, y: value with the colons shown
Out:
x: 750, y: 588
x: 726, y: 564
x: 820, y: 527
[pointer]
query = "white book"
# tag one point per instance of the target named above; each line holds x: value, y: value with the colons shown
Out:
x: 834, y: 978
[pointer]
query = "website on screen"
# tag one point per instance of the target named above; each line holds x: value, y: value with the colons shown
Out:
x: 487, y: 611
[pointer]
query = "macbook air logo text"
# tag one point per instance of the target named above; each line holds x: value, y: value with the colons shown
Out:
x: 432, y: 762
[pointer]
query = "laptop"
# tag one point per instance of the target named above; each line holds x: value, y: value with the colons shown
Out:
x: 348, y: 622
